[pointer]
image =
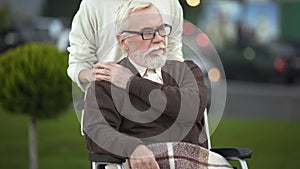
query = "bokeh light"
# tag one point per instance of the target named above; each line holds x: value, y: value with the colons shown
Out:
x: 249, y: 53
x: 214, y: 74
x: 202, y: 40
x: 193, y: 3
x: 280, y: 65
x: 188, y: 28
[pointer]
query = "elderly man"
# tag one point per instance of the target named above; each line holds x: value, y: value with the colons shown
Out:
x: 148, y: 99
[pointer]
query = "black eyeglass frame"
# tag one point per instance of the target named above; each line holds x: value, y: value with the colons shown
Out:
x: 161, y: 27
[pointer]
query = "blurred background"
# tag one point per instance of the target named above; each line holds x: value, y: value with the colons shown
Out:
x: 258, y: 42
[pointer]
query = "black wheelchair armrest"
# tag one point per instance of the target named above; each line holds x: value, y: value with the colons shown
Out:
x: 240, y: 153
x: 104, y: 158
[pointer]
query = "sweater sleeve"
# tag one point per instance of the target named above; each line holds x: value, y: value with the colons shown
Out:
x: 101, y: 124
x: 175, y: 40
x: 185, y: 101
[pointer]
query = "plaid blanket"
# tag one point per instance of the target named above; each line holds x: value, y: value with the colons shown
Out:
x: 181, y: 155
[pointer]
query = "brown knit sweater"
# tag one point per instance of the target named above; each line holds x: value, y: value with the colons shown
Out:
x: 117, y: 120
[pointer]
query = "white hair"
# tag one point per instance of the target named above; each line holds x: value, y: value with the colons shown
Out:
x: 126, y: 9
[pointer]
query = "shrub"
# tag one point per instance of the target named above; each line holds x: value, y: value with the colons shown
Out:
x: 34, y: 80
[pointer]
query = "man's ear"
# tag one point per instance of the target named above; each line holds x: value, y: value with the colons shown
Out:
x: 122, y: 42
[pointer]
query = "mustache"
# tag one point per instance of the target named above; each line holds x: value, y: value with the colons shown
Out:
x: 154, y: 48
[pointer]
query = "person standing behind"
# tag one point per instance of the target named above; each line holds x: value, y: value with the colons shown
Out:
x: 92, y: 40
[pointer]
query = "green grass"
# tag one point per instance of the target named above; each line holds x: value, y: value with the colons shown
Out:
x: 275, y: 144
x: 60, y: 143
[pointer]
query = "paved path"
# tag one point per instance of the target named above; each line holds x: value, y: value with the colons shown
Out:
x: 262, y: 100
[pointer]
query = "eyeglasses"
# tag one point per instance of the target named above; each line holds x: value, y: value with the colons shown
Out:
x: 149, y: 33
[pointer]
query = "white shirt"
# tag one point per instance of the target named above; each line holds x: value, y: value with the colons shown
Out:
x: 92, y: 36
x: 143, y: 72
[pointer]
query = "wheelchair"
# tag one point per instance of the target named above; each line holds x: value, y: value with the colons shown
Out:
x: 99, y: 161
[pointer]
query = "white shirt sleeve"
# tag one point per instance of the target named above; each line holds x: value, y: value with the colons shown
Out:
x: 175, y: 39
x: 82, y: 47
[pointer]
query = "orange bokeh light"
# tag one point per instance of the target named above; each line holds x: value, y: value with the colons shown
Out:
x: 214, y: 74
x: 193, y: 3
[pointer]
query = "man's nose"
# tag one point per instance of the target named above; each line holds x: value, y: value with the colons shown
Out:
x: 157, y: 38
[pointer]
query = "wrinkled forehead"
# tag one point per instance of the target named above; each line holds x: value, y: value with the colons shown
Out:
x: 149, y: 17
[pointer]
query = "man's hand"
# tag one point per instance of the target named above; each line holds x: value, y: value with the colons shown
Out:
x: 142, y: 158
x: 113, y: 73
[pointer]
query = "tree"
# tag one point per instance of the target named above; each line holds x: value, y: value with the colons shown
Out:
x: 34, y: 82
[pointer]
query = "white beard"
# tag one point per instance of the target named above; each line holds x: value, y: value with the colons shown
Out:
x: 146, y: 59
